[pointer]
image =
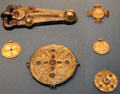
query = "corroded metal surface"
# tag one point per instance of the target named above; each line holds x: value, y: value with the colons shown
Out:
x: 53, y: 64
x: 28, y: 16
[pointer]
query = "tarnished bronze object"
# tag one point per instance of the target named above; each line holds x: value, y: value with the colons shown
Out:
x: 106, y: 81
x: 98, y: 13
x: 28, y: 16
x: 53, y: 64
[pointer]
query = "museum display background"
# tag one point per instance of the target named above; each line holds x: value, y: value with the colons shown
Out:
x: 15, y: 77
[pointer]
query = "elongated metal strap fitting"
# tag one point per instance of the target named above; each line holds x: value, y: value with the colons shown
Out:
x: 28, y: 16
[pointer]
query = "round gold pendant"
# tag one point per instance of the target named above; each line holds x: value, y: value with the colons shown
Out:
x: 98, y: 13
x: 106, y: 81
x: 53, y: 64
x: 101, y: 47
x: 11, y: 49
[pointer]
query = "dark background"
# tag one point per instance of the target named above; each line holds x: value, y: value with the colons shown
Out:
x: 79, y: 37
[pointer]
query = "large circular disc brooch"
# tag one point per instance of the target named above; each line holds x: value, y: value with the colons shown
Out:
x: 53, y: 64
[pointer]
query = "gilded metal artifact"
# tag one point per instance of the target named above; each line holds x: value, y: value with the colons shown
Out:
x: 106, y: 81
x: 28, y: 16
x: 101, y: 47
x: 11, y: 49
x: 53, y: 64
x: 98, y: 13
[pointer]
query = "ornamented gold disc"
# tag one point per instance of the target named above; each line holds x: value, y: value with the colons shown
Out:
x: 101, y: 47
x: 98, y: 13
x: 106, y: 81
x: 11, y: 49
x: 53, y: 64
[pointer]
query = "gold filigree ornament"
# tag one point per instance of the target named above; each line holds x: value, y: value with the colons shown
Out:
x: 101, y: 47
x: 11, y: 49
x: 106, y: 81
x: 98, y: 13
x: 52, y: 64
